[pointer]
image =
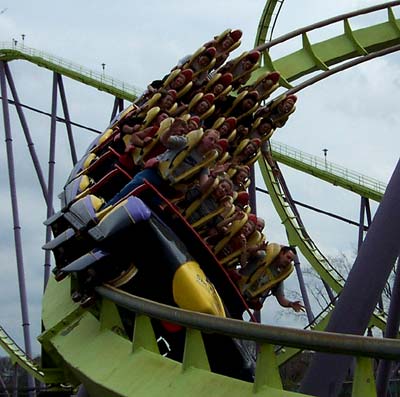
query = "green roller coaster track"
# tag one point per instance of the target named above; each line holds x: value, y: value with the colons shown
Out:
x: 77, y: 339
x: 332, y: 173
x: 18, y: 355
x: 319, y: 56
x: 13, y: 52
x: 80, y: 338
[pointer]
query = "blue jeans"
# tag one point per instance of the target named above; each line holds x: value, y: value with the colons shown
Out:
x: 151, y: 175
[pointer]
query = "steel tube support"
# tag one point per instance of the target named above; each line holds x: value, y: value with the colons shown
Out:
x: 15, y: 213
x: 361, y: 224
x: 50, y: 181
x: 27, y: 134
x: 361, y: 292
x: 67, y: 119
x: 392, y: 329
x: 303, y: 289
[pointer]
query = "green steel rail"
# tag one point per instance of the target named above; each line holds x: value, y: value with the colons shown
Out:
x: 11, y: 52
x: 100, y: 335
x: 330, y: 172
x: 319, y: 56
x: 270, y: 14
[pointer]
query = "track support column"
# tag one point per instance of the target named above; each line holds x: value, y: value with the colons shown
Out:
x: 361, y: 292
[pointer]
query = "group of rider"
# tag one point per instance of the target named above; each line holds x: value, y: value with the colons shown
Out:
x: 194, y: 135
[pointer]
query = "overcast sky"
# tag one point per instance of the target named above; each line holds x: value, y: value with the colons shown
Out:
x: 353, y: 114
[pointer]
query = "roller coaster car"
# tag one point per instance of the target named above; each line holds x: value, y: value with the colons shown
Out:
x: 89, y: 238
x: 167, y: 272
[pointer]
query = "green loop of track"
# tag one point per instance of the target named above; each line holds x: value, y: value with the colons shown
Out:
x: 352, y: 43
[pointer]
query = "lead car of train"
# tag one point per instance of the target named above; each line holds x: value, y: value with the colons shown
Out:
x: 144, y: 244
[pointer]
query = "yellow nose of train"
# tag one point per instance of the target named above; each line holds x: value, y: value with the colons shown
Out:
x: 193, y: 291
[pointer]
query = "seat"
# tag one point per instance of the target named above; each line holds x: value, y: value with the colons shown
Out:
x: 265, y: 276
x: 222, y: 53
x: 103, y: 140
x: 224, y: 209
x: 220, y: 78
x: 210, y: 98
x: 236, y: 69
x: 258, y: 84
x: 232, y: 134
x: 130, y: 110
x: 168, y: 167
x: 230, y: 260
x: 100, y: 165
x: 187, y: 212
x: 111, y: 183
x: 83, y: 212
x: 233, y: 229
x: 232, y: 171
x: 255, y: 125
x: 279, y: 119
x: 70, y: 244
x: 236, y: 101
x: 192, y: 64
x: 240, y: 148
x: 75, y: 188
x: 188, y: 73
x: 140, y: 155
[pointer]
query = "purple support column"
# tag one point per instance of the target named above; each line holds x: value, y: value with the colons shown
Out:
x: 15, y: 214
x: 121, y: 104
x: 363, y: 210
x: 361, y: 292
x: 50, y: 182
x: 115, y: 108
x: 306, y: 301
x: 361, y: 223
x: 67, y: 119
x: 329, y: 291
x: 17, y: 227
x: 27, y: 134
x: 392, y: 329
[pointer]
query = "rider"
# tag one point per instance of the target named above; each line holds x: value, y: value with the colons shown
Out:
x: 260, y: 281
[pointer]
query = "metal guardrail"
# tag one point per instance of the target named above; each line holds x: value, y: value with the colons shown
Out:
x: 332, y: 168
x: 99, y: 76
x: 313, y: 340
